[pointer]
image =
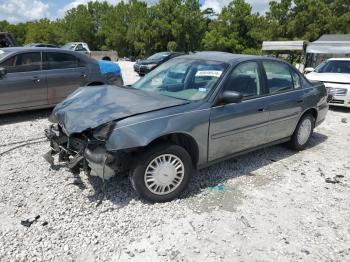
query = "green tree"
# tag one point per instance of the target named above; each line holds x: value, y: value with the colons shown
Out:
x: 84, y: 23
x: 341, y: 16
x: 114, y: 28
x: 236, y: 30
x: 42, y: 31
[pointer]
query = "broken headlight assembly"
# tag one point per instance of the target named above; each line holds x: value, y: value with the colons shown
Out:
x: 102, y: 132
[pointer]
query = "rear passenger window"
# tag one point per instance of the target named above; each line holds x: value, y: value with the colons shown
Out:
x: 279, y: 77
x: 245, y: 80
x: 26, y: 62
x: 60, y: 61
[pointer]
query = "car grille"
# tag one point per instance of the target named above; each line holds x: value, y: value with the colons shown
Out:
x: 337, y: 91
x: 336, y: 101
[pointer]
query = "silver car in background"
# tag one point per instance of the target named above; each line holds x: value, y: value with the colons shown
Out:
x: 33, y: 78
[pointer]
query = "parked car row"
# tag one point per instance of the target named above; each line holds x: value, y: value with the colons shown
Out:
x: 32, y: 78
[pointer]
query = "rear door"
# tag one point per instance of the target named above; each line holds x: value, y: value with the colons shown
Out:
x: 285, y: 99
x: 64, y: 73
x: 241, y: 126
x: 24, y: 84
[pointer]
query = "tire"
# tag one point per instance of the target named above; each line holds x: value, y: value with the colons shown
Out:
x: 302, y: 133
x: 143, y: 178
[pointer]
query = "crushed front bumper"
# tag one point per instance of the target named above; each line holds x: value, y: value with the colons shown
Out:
x: 84, y: 154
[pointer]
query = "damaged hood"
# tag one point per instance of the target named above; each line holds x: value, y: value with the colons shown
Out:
x: 91, y: 106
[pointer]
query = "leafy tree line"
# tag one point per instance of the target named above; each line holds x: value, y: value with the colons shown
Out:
x: 133, y: 28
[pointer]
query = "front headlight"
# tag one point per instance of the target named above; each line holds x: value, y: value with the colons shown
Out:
x: 102, y: 132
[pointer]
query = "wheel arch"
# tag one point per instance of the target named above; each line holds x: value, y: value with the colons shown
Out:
x: 311, y: 111
x: 181, y: 139
x: 95, y: 83
x: 106, y: 58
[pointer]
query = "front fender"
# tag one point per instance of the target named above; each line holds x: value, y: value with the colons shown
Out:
x: 140, y: 134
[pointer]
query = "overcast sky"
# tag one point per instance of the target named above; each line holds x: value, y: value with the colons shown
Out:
x: 16, y: 11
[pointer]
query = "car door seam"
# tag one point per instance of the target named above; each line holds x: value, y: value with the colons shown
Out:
x: 240, y: 130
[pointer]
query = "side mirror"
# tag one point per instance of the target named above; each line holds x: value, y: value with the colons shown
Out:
x: 230, y: 97
x: 308, y: 70
x: 3, y: 72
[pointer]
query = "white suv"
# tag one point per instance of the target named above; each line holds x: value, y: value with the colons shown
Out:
x: 335, y: 74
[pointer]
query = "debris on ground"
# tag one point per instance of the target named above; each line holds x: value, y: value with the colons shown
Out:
x: 334, y: 180
x: 28, y: 222
x: 245, y: 221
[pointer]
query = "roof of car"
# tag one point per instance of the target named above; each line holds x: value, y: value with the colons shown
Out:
x: 225, y: 57
x: 30, y: 48
x: 10, y: 50
x: 339, y: 59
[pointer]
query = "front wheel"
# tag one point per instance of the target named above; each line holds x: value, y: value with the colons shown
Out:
x: 162, y: 173
x: 303, y: 132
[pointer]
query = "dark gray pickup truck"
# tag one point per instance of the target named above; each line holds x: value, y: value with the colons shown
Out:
x: 188, y: 113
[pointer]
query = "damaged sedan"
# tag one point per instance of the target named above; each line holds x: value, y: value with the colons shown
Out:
x: 188, y: 113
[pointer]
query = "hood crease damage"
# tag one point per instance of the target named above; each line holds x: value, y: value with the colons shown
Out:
x: 92, y: 106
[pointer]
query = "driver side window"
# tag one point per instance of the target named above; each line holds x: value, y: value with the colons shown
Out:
x: 245, y: 80
x: 25, y: 62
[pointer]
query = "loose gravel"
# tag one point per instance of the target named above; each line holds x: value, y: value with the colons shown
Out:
x: 270, y: 205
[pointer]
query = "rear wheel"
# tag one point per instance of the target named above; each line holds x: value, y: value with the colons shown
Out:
x: 162, y: 173
x: 303, y: 132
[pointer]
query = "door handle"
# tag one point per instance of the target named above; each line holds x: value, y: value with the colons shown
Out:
x: 83, y: 75
x: 261, y: 109
x: 300, y: 101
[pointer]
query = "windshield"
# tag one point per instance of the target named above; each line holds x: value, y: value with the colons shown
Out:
x: 334, y: 66
x: 187, y: 79
x: 159, y: 55
x: 68, y: 46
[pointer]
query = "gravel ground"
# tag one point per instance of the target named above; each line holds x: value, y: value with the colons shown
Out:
x: 269, y: 205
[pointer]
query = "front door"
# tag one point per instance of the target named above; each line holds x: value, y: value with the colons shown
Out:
x: 64, y: 73
x: 241, y: 126
x: 24, y: 85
